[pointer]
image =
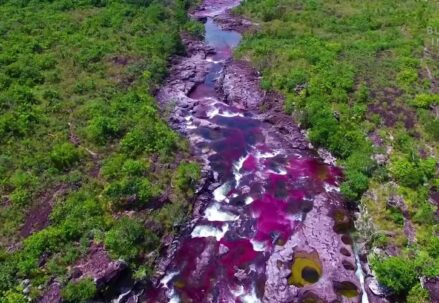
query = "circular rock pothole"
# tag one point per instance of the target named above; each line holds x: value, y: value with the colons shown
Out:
x: 306, y: 269
x: 342, y: 221
x: 311, y: 298
x: 346, y: 289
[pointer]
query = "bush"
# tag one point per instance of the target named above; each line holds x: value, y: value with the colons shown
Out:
x: 432, y: 127
x: 64, y: 155
x: 186, y: 177
x: 396, y: 273
x: 77, y: 65
x: 412, y: 173
x: 102, y: 129
x: 433, y: 247
x: 79, y: 292
x: 407, y: 77
x: 134, y: 168
x: 124, y: 192
x: 7, y: 274
x: 13, y: 296
x: 355, y: 185
x: 344, y: 142
x: 425, y: 100
x: 418, y: 294
x: 362, y: 94
x: 360, y: 161
x: 127, y: 238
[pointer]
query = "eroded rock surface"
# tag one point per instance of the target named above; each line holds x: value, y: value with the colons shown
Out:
x: 99, y: 266
x: 432, y: 285
x: 52, y: 294
x: 271, y: 226
x: 314, y: 235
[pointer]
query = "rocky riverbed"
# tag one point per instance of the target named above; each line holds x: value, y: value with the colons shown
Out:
x: 270, y: 224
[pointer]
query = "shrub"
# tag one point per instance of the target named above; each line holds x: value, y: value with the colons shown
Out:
x: 155, y: 137
x: 425, y: 100
x: 13, y: 296
x: 424, y: 213
x: 432, y: 127
x: 79, y: 292
x: 433, y: 247
x: 186, y: 177
x: 396, y: 273
x: 7, y: 273
x: 411, y: 173
x: 111, y: 166
x: 355, y: 185
x: 22, y: 95
x: 360, y: 161
x: 127, y: 238
x: 64, y: 155
x: 126, y: 191
x: 426, y: 265
x: 134, y: 142
x: 134, y: 168
x: 362, y: 94
x: 428, y: 167
x: 102, y: 129
x: 418, y: 294
x: 344, y: 142
x: 20, y: 196
x: 407, y: 77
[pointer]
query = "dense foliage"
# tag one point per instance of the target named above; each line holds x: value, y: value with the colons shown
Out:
x: 81, y: 291
x: 81, y: 140
x: 362, y: 77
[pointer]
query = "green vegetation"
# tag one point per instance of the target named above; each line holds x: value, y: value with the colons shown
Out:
x: 81, y: 138
x: 361, y: 76
x: 401, y: 273
x: 127, y: 238
x: 79, y: 292
x: 418, y: 294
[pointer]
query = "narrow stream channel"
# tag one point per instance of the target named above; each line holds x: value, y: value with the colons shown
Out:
x: 270, y: 206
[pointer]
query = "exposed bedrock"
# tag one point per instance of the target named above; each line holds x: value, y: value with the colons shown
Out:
x: 324, y: 256
x: 262, y: 168
x: 239, y: 86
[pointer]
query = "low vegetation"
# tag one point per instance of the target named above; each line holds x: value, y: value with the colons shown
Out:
x: 81, y: 139
x: 362, y: 77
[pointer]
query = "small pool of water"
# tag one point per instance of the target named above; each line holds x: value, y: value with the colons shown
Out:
x: 220, y: 39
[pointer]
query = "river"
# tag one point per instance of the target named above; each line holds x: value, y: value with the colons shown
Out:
x: 272, y: 226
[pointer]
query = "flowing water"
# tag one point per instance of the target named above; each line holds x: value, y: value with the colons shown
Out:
x: 264, y: 195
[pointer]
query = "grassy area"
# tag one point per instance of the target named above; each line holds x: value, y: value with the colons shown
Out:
x: 362, y: 76
x: 81, y: 140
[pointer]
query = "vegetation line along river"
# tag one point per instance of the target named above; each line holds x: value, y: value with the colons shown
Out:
x: 270, y: 224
